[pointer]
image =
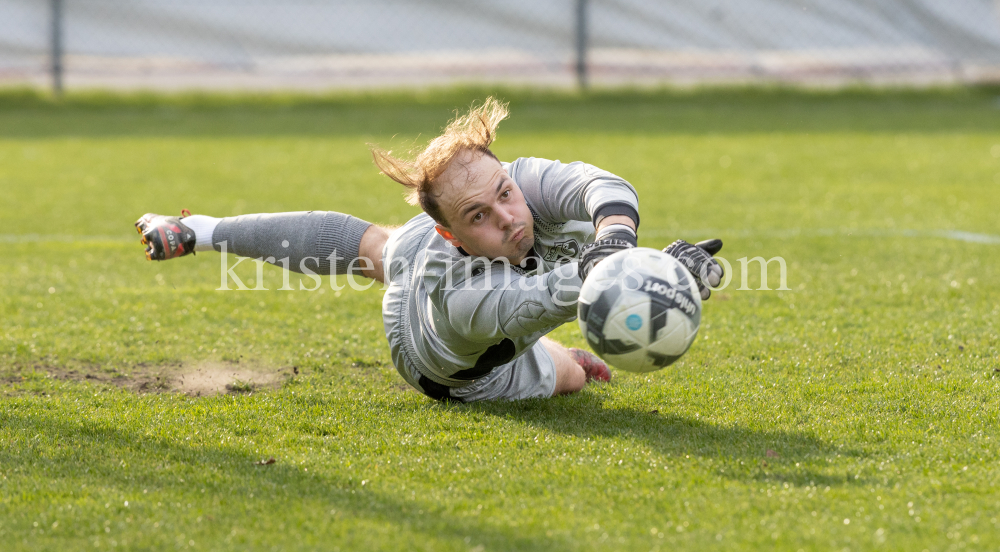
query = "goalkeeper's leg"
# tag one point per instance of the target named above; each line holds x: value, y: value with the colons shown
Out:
x: 322, y: 242
x: 574, y: 367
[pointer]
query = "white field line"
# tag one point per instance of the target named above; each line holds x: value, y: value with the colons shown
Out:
x: 957, y: 235
x: 60, y: 238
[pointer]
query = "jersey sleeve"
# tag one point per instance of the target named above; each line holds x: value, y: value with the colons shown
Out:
x: 486, y: 301
x: 560, y: 192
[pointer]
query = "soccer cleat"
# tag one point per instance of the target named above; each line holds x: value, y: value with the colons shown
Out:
x: 165, y: 237
x: 592, y: 365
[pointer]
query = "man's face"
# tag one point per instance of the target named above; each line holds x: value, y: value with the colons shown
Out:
x: 485, y: 210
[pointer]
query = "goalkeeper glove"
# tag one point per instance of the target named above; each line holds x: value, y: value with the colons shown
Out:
x: 610, y: 240
x: 698, y: 260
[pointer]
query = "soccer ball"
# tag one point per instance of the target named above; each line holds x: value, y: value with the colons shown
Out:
x: 639, y: 309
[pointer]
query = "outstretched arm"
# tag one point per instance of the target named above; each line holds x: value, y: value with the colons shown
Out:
x: 486, y: 301
x: 560, y: 192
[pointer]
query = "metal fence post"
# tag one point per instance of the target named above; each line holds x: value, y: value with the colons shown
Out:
x: 581, y: 43
x: 56, y: 46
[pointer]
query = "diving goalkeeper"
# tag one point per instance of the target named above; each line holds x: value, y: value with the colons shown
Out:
x: 474, y: 283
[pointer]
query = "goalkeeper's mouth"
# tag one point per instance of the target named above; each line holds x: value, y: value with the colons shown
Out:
x: 521, y: 242
x: 518, y: 235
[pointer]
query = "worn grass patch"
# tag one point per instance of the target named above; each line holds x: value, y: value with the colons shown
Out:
x: 204, y: 378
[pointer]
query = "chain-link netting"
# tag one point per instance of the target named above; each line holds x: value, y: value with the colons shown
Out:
x: 316, y: 44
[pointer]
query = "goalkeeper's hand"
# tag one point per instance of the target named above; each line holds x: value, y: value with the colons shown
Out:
x: 610, y: 240
x: 699, y: 262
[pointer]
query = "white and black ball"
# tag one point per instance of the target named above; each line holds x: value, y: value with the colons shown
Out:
x: 639, y: 310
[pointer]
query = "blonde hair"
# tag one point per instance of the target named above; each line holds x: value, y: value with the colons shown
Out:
x: 474, y: 131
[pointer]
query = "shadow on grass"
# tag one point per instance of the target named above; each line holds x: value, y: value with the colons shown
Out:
x: 746, y: 453
x: 100, y: 457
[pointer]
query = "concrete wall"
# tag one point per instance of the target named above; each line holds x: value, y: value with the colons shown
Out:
x: 364, y: 43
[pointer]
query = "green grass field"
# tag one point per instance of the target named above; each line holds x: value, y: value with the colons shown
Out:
x: 858, y: 410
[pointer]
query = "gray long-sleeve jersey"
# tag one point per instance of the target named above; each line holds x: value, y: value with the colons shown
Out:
x: 454, y: 318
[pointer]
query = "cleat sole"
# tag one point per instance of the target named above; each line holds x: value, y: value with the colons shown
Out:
x: 164, y: 238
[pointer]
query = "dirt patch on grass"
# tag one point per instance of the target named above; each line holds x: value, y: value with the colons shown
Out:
x: 199, y: 379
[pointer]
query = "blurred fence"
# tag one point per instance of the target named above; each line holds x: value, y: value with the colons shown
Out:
x: 321, y: 44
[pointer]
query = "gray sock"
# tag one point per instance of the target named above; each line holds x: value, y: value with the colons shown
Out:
x: 314, y: 236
